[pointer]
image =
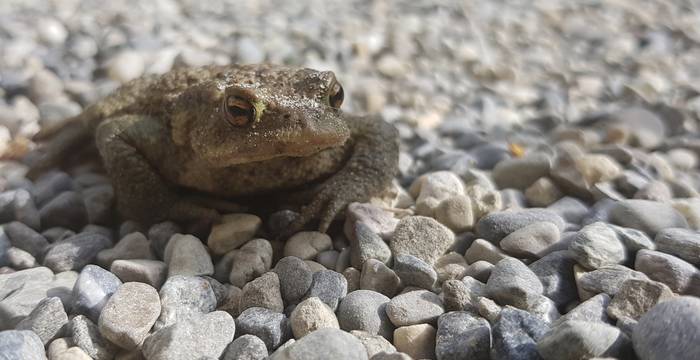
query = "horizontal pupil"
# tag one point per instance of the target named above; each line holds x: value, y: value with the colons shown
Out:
x: 239, y: 111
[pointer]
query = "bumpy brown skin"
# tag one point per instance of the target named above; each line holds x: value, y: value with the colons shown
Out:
x: 172, y: 154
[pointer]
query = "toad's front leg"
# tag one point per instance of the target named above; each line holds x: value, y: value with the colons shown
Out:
x: 142, y: 194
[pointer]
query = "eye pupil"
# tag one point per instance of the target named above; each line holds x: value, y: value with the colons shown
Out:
x: 335, y: 98
x: 239, y: 111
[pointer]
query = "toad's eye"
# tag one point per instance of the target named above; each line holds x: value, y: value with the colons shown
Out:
x: 335, y: 96
x: 239, y: 111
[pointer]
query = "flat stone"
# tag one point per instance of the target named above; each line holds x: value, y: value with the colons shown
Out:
x: 246, y: 347
x: 87, y: 337
x: 295, y: 278
x: 365, y: 310
x: 513, y: 283
x: 151, y: 272
x: 597, y: 245
x: 93, y: 288
x: 21, y: 344
x: 367, y: 245
x: 203, y: 336
x: 132, y: 246
x: 75, y: 252
x: 422, y: 237
x: 482, y: 250
x: 310, y: 315
x: 418, y: 341
x: 233, y: 231
x: 607, y: 279
x: 495, y: 226
x: 461, y: 335
x: 528, y: 170
x: 571, y: 209
x: 669, y: 330
x: 129, y: 314
x: 323, y: 344
x: 47, y: 319
x: 646, y: 215
x: 378, y: 277
x: 555, y: 271
x: 263, y: 292
x: 182, y: 297
x: 575, y: 339
x: 23, y: 237
x: 271, y: 327
x: 250, y: 261
x: 329, y: 286
x: 636, y: 297
x: 531, y: 241
x: 187, y: 256
x: 682, y: 243
x: 65, y: 210
x: 414, y: 272
x: 414, y: 307
x: 374, y: 344
x: 592, y: 310
x: 680, y: 276
x: 306, y: 245
x: 515, y: 335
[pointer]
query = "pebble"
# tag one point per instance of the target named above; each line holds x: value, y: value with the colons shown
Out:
x: 495, y: 226
x: 23, y: 237
x: 73, y: 353
x: 606, y: 279
x: 633, y: 239
x: 636, y: 297
x: 378, y: 277
x: 543, y: 193
x: 352, y: 276
x: 515, y: 335
x: 513, y: 283
x: 646, y: 215
x: 456, y: 213
x: 571, y: 209
x: 592, y: 310
x: 46, y: 320
x: 21, y: 344
x: 250, y: 261
x: 417, y: 341
x: 323, y: 344
x: 87, y: 337
x: 233, y: 231
x: 160, y: 234
x: 531, y: 241
x: 461, y: 335
x: 329, y: 286
x: 377, y: 219
x: 246, y: 347
x: 203, y: 336
x: 129, y: 314
x: 19, y: 259
x: 682, y: 243
x: 151, y: 272
x: 575, y: 339
x: 422, y: 237
x: 482, y: 250
x: 579, y: 175
x: 49, y: 185
x: 182, y: 297
x: 132, y: 246
x: 92, y: 289
x: 186, y: 255
x: 374, y: 344
x: 328, y: 258
x: 457, y: 296
x: 529, y: 169
x: 414, y: 272
x: 597, y: 245
x: 263, y: 292
x: 125, y: 66
x: 485, y: 199
x: 669, y: 330
x: 432, y: 188
x: 555, y: 271
x: 450, y: 266
x: 415, y: 307
x: 367, y: 245
x: 690, y: 209
x: 295, y: 278
x: 365, y: 310
x: 99, y: 203
x: 271, y: 327
x: 391, y: 356
x: 307, y: 245
x: 75, y: 252
x: 480, y: 270
x: 310, y: 315
x: 65, y: 210
x: 677, y: 274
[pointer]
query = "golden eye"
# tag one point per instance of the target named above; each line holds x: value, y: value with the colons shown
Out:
x: 335, y: 97
x: 239, y: 111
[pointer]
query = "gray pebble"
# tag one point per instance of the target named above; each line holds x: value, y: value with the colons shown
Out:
x: 132, y: 246
x: 352, y: 276
x: 528, y: 170
x: 422, y: 237
x: 414, y: 272
x: 513, y: 283
x: 47, y: 319
x: 159, y: 235
x: 271, y: 327
x: 378, y: 277
x: 129, y: 314
x: 669, y: 331
x: 310, y: 315
x: 75, y: 252
x: 480, y: 270
x: 384, y: 355
x: 246, y: 347
x: 99, y: 202
x: 365, y: 310
x: 4, y: 246
x: 379, y: 221
x: 648, y: 216
x: 600, y: 211
x: 182, y: 297
x: 92, y: 290
x: 87, y: 336
x: 457, y: 296
x: 187, y: 256
x: 366, y: 244
x: 555, y: 271
x: 329, y: 286
x: 582, y: 340
x: 374, y: 344
x: 606, y: 279
x: 263, y: 292
x: 414, y: 307
x: 295, y: 278
x: 233, y: 231
x: 151, y: 272
x: 21, y: 344
x: 55, y: 234
x: 328, y: 258
x: 682, y: 243
x: 19, y: 259
x: 65, y: 210
x: 633, y: 239
x: 204, y: 336
x: 531, y: 241
x: 591, y: 310
x: 679, y: 275
x: 597, y: 245
x: 636, y: 297
x: 51, y: 184
x: 461, y: 335
x: 23, y: 237
x: 515, y: 335
x: 495, y: 226
x: 249, y: 262
x: 25, y: 210
x: 571, y: 209
x: 323, y: 344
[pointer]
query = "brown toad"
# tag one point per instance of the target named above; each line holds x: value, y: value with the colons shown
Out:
x: 181, y: 145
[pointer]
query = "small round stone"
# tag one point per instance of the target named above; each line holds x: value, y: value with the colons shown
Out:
x: 414, y: 272
x: 323, y: 344
x: 414, y: 307
x: 365, y: 310
x: 575, y: 339
x: 186, y: 255
x: 129, y: 314
x: 246, y: 347
x: 669, y: 330
x: 92, y: 289
x: 75, y: 252
x: 417, y: 341
x: 456, y: 213
x: 531, y: 241
x: 461, y: 335
x: 329, y: 286
x: 46, y: 320
x: 515, y: 334
x: 263, y: 292
x: 422, y: 237
x: 528, y: 170
x: 307, y: 245
x: 374, y: 344
x: 597, y: 245
x: 132, y: 246
x: 182, y: 297
x: 21, y: 344
x: 648, y: 216
x: 151, y: 272
x: 367, y: 245
x: 233, y: 231
x: 378, y: 277
x: 203, y: 336
x: 65, y: 210
x: 513, y: 283
x: 310, y: 315
x: 682, y: 243
x: 495, y: 226
x: 295, y: 278
x: 271, y: 327
x: 249, y: 262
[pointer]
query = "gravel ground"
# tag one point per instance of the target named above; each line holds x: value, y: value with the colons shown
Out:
x: 547, y: 205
